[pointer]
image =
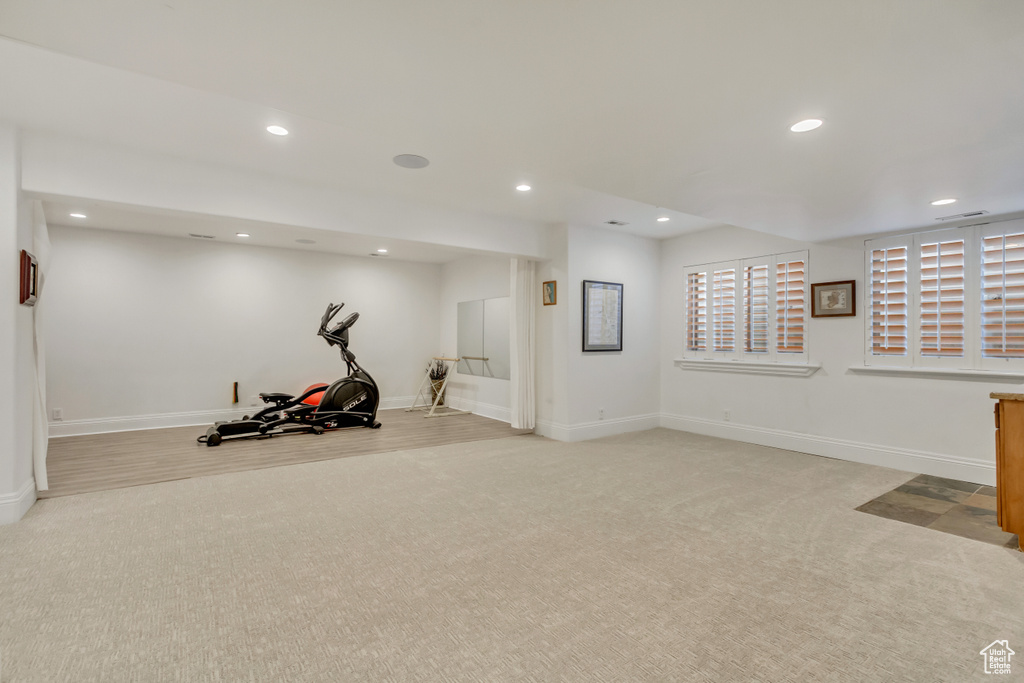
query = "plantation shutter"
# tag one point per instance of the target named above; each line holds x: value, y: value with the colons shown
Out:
x: 755, y: 309
x: 942, y: 298
x: 1002, y: 296
x: 697, y: 311
x: 948, y: 298
x: 724, y: 310
x: 733, y: 308
x: 889, y: 301
x: 790, y: 293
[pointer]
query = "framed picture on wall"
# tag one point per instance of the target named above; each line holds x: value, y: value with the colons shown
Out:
x: 550, y: 293
x: 29, y: 279
x: 602, y: 316
x: 834, y: 299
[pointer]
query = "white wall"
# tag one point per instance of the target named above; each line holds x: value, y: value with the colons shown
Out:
x: 605, y: 392
x: 469, y: 279
x: 151, y: 331
x: 936, y: 426
x: 17, y: 367
x: 552, y: 338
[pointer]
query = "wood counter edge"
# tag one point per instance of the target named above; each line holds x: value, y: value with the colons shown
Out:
x: 1006, y: 397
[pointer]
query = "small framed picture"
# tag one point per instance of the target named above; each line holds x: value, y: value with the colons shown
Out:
x: 550, y: 293
x: 29, y: 279
x: 834, y: 299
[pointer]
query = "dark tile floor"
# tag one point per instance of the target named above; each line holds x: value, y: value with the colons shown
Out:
x: 948, y: 505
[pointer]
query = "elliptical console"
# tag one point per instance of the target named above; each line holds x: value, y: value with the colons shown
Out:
x: 348, y: 402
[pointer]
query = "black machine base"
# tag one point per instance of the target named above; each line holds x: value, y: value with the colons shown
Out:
x: 255, y: 429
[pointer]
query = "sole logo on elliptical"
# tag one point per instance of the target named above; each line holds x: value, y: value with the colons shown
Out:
x: 354, y: 402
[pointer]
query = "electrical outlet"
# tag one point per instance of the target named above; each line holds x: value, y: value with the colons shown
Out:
x: 600, y: 413
x: 58, y: 414
x: 728, y: 414
x: 255, y: 401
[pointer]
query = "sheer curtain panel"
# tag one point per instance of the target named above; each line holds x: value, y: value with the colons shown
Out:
x: 523, y: 307
x: 40, y: 427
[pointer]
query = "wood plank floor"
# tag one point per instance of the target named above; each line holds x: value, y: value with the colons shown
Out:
x: 98, y: 462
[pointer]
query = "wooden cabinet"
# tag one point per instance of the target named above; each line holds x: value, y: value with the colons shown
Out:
x: 1010, y: 464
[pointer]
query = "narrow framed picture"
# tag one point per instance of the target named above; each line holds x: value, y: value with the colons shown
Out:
x: 834, y: 299
x: 550, y: 292
x: 29, y: 279
x: 602, y: 316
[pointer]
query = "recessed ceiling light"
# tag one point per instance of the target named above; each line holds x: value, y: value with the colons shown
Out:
x: 78, y: 215
x: 805, y: 125
x: 662, y: 219
x: 523, y: 188
x: 241, y: 234
x: 382, y: 251
x: 277, y: 130
x: 411, y: 161
x: 942, y: 202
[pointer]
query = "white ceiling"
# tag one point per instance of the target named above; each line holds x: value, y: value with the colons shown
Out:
x: 151, y: 221
x: 611, y: 110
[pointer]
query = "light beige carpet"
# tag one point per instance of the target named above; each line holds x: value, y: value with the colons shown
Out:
x: 651, y: 556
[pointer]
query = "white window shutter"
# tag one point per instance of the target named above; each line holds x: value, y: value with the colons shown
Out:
x: 756, y: 309
x: 696, y: 312
x: 1002, y: 296
x: 733, y: 308
x: 942, y: 296
x: 790, y: 304
x: 724, y: 310
x: 890, y: 301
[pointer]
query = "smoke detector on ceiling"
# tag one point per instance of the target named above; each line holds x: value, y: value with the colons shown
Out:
x: 616, y: 223
x: 201, y: 237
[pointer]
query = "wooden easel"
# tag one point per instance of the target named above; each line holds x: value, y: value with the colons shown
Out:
x: 432, y: 407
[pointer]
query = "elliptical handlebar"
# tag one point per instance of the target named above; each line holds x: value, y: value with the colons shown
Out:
x: 339, y: 335
x: 329, y: 314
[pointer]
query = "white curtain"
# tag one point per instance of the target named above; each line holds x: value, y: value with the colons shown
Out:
x: 40, y: 427
x: 523, y: 312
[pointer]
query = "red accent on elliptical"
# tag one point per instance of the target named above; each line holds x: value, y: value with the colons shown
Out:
x: 314, y: 400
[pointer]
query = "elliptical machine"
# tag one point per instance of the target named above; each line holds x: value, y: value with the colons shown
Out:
x: 349, y: 402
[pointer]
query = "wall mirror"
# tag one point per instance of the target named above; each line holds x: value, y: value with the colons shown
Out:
x: 483, y: 340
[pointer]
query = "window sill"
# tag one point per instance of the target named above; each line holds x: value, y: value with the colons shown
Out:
x: 939, y: 373
x: 748, y: 367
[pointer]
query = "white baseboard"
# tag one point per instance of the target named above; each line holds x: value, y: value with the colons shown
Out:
x: 595, y: 430
x: 395, y: 402
x: 476, y: 407
x: 13, y: 506
x: 936, y: 464
x: 136, y: 422
x: 495, y: 412
x: 196, y: 418
x: 500, y: 413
